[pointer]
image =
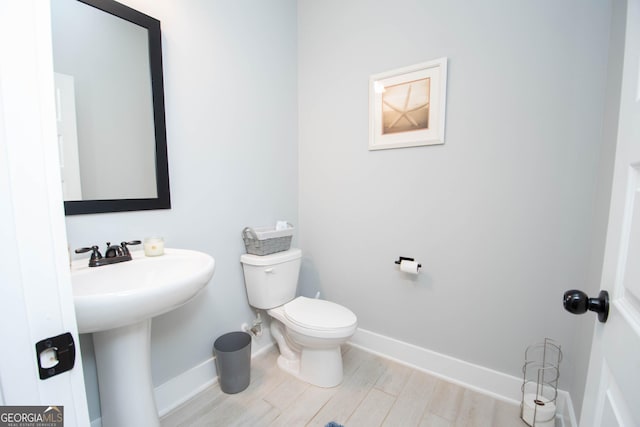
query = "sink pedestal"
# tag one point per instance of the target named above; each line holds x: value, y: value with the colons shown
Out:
x: 123, y: 361
x: 116, y: 303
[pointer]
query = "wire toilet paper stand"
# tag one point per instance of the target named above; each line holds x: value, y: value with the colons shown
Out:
x: 541, y: 371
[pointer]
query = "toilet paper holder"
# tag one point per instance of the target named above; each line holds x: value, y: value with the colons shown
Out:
x: 541, y: 371
x: 404, y: 258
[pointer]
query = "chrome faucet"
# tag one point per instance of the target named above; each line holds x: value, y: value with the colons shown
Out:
x: 112, y: 255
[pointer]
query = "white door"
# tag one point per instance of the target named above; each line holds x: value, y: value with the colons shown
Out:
x: 612, y: 393
x: 36, y: 301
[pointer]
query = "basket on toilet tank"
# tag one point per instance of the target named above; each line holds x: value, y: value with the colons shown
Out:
x: 267, y: 240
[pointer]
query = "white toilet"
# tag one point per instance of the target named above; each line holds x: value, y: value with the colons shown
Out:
x: 308, y: 331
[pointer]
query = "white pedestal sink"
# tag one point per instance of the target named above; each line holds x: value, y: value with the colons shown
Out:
x: 116, y: 303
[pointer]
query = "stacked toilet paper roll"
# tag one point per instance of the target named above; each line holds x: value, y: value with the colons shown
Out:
x: 543, y: 412
x: 410, y: 267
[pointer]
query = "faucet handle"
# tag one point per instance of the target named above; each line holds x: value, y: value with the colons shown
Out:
x: 95, y: 255
x: 125, y: 249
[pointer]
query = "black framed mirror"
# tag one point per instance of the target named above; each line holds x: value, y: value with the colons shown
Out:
x: 110, y: 100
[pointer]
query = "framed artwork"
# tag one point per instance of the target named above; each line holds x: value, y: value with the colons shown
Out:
x: 407, y: 106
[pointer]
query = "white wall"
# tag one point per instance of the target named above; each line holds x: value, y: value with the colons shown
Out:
x: 501, y: 217
x: 231, y: 107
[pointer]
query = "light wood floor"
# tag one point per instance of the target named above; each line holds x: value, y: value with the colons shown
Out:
x: 375, y: 392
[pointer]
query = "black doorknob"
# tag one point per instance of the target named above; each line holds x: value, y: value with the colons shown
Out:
x: 577, y: 302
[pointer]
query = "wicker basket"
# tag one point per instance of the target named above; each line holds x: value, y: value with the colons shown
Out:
x: 267, y: 240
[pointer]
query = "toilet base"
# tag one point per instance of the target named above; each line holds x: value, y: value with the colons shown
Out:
x: 319, y: 367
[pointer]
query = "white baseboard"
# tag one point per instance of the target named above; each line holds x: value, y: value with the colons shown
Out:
x: 178, y: 390
x: 475, y: 377
x: 496, y: 384
x: 478, y: 378
x: 566, y: 413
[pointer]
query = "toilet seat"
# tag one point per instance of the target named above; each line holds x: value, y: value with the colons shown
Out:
x: 316, y: 318
x: 318, y: 314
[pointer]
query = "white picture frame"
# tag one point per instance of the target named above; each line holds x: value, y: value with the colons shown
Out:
x: 407, y: 106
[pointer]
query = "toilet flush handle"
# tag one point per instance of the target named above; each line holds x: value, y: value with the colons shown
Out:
x: 269, y: 271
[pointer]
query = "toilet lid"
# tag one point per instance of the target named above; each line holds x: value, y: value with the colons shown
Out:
x: 319, y: 314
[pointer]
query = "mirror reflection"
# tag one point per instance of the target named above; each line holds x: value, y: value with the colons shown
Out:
x: 110, y: 123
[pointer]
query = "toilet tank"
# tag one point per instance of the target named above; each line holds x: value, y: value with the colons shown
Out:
x: 271, y: 280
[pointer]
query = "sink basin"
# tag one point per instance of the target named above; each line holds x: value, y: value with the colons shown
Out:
x: 116, y: 303
x: 121, y: 294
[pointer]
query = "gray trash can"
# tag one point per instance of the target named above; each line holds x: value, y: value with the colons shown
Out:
x: 233, y: 361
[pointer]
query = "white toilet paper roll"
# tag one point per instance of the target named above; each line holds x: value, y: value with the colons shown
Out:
x: 410, y: 267
x: 544, y: 414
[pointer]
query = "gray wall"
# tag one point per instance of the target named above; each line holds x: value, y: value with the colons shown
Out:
x: 230, y: 86
x: 501, y: 217
x: 268, y: 121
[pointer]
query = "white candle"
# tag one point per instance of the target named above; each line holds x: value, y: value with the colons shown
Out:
x: 153, y: 246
